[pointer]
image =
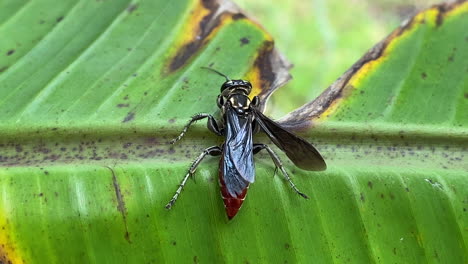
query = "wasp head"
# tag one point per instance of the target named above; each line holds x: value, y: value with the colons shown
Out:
x: 236, y: 85
x: 232, y: 86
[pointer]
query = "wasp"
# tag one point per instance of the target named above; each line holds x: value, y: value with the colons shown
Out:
x: 241, y: 119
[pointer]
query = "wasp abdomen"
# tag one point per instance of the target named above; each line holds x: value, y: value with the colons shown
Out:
x: 231, y: 204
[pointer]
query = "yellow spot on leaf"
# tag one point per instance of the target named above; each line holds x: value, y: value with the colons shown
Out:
x: 459, y: 10
x: 428, y: 17
x: 253, y: 76
x: 193, y: 32
x: 8, y: 252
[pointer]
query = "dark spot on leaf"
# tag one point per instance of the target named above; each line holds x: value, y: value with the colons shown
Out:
x: 394, y: 251
x: 238, y: 16
x: 382, y: 196
x: 210, y: 4
x: 174, y: 243
x: 46, y: 172
x: 363, y: 199
x: 423, y: 75
x: 130, y: 116
x: 42, y: 149
x: 205, y: 27
x: 244, y: 41
x: 466, y: 95
x: 41, y: 194
x: 195, y: 259
x: 120, y: 203
x: 123, y: 105
x: 59, y: 19
x: 287, y: 246
x: 126, y: 97
x: 132, y: 7
x: 172, y: 120
x: 439, y: 19
x: 267, y: 75
x: 18, y: 148
x: 127, y: 236
x: 10, y: 52
x: 445, y: 8
x: 2, y: 69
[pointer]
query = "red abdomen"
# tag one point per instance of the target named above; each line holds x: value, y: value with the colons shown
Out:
x: 232, y: 204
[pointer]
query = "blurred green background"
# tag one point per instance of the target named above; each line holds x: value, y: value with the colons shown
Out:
x: 323, y: 38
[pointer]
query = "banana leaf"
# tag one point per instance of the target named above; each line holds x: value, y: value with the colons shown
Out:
x: 91, y: 93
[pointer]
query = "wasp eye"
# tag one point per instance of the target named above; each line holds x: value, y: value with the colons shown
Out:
x: 255, y: 101
x: 220, y: 101
x: 226, y: 85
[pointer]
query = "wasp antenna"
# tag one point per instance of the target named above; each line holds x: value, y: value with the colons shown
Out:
x: 213, y: 70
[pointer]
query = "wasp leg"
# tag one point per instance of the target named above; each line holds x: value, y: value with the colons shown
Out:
x: 212, y: 125
x: 212, y: 151
x: 278, y: 164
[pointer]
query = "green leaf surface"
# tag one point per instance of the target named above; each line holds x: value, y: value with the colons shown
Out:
x: 342, y: 32
x: 92, y: 91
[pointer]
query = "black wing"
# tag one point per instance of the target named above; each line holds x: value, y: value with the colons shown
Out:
x: 301, y: 152
x: 238, y: 166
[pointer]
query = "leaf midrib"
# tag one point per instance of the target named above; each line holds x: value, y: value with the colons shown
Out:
x: 340, y: 147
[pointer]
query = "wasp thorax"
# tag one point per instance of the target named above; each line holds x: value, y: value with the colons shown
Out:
x: 240, y: 103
